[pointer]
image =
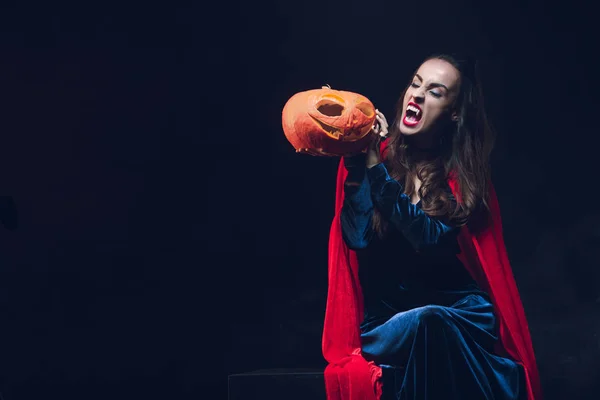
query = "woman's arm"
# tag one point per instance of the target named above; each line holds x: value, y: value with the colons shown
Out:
x: 395, y: 206
x: 357, y: 210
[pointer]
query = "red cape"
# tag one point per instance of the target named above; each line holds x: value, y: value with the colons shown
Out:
x: 348, y: 375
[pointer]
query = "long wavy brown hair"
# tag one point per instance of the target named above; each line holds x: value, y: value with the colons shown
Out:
x: 464, y: 151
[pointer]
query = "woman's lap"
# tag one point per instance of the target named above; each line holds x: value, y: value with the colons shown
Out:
x: 452, y: 346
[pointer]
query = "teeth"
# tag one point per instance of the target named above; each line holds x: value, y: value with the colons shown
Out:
x: 414, y: 109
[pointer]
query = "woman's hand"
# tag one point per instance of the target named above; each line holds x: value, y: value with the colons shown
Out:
x: 379, y: 132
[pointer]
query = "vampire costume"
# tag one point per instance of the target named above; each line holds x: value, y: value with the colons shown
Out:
x: 426, y: 312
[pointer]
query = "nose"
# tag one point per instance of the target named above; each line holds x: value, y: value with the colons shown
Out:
x: 419, y: 96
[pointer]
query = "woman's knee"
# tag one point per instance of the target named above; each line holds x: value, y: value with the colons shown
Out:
x: 394, y: 339
x: 435, y: 317
x: 410, y: 321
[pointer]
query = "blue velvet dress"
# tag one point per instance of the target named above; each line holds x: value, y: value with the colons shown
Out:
x: 427, y: 323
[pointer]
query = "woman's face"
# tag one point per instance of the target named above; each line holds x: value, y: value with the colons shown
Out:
x: 430, y: 97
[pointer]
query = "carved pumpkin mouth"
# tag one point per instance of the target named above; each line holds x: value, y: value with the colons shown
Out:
x: 331, y: 131
x: 333, y: 106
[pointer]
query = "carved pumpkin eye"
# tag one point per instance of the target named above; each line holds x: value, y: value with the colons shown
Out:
x: 366, y: 109
x: 331, y: 106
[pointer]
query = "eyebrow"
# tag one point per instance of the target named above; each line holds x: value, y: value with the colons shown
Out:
x: 433, y: 84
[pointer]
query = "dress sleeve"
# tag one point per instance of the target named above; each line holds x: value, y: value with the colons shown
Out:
x: 421, y: 230
x: 357, y: 210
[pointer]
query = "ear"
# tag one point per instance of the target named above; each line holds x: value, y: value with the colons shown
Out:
x: 454, y: 116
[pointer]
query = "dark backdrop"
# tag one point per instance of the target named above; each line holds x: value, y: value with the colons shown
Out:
x: 169, y: 235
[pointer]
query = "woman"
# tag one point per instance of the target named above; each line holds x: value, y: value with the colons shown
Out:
x: 422, y: 223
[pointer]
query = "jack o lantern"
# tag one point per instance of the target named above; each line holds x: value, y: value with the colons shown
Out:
x: 328, y: 122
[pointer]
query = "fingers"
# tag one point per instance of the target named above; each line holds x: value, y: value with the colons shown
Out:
x: 383, y: 129
x: 315, y: 152
x: 310, y: 152
x: 381, y: 123
x: 376, y: 128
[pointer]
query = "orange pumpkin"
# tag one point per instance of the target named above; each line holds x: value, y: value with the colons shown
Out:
x: 328, y: 122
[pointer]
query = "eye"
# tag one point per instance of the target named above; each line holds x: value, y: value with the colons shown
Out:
x: 435, y: 94
x: 330, y: 105
x: 414, y: 84
x: 366, y: 108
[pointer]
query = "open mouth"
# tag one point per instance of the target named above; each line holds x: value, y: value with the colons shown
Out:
x: 331, y: 131
x: 412, y: 114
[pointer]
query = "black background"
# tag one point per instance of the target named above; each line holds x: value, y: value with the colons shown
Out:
x: 170, y: 236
